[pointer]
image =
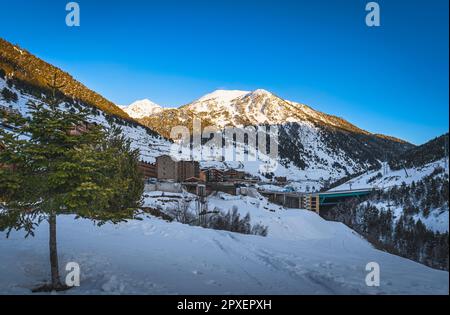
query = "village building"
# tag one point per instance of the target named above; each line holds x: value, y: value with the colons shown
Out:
x: 187, y: 169
x: 202, y: 176
x: 179, y: 171
x: 166, y: 168
x: 233, y: 175
x: 147, y: 169
x: 214, y: 175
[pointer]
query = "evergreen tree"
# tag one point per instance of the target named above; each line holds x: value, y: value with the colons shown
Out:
x: 8, y: 95
x: 53, y: 170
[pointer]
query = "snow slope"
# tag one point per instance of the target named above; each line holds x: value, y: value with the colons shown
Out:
x: 302, y: 254
x: 150, y: 146
x: 436, y: 221
x: 392, y: 177
x: 156, y: 257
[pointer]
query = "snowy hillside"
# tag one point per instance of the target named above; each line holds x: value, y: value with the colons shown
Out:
x: 408, y: 212
x: 150, y: 145
x: 304, y: 254
x: 436, y: 220
x: 376, y: 179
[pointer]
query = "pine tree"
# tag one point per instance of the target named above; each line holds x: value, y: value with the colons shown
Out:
x: 8, y: 95
x: 53, y: 170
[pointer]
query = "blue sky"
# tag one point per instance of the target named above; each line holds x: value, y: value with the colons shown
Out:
x: 392, y: 79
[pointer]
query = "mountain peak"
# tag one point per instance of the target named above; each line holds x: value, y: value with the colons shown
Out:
x: 223, y: 95
x: 142, y: 108
x: 143, y: 103
x: 261, y: 92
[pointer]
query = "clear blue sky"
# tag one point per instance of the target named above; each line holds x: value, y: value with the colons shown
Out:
x: 392, y: 79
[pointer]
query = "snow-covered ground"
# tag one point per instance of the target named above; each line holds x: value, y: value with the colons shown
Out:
x: 303, y: 254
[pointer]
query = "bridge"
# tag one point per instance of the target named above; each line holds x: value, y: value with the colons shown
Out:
x: 331, y: 198
x: 313, y: 201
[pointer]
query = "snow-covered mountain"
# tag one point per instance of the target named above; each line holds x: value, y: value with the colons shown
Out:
x: 142, y: 108
x: 31, y: 74
x: 312, y: 144
x: 240, y: 108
